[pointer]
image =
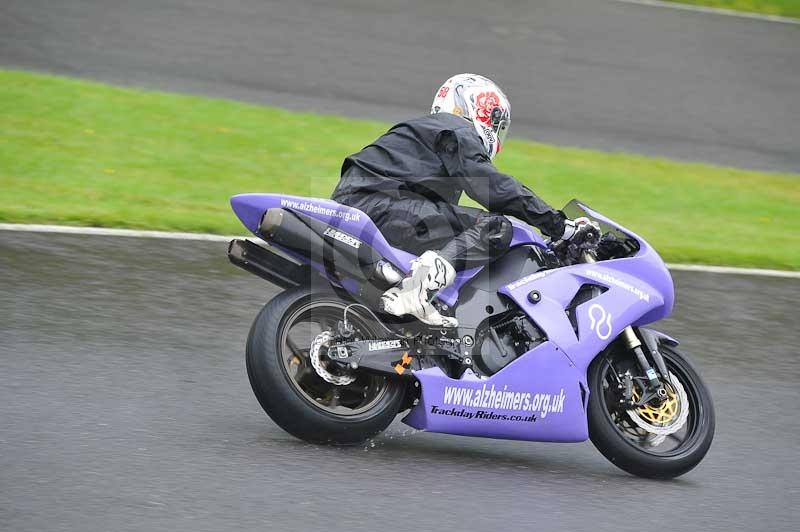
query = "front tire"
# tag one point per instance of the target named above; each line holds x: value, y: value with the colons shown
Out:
x: 630, y: 447
x: 293, y: 394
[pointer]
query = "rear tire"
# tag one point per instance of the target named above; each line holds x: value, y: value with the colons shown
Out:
x: 298, y: 404
x: 617, y: 441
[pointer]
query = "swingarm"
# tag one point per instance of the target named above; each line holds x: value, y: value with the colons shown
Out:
x: 394, y: 357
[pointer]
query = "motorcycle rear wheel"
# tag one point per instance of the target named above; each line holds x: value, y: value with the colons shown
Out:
x: 289, y: 389
x: 630, y: 447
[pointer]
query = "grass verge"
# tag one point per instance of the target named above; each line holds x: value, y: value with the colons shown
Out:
x: 76, y: 152
x: 785, y: 8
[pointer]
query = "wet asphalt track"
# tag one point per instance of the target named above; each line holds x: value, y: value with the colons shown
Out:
x: 594, y: 73
x: 124, y: 405
x: 124, y: 402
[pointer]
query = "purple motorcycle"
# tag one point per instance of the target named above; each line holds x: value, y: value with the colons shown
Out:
x: 551, y: 343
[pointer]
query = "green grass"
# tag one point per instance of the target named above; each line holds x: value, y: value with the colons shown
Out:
x: 74, y: 152
x: 786, y: 8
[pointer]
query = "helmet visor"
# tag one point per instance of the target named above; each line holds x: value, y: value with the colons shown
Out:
x: 501, y: 121
x: 502, y: 131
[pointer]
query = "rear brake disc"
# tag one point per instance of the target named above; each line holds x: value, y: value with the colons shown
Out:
x: 321, y: 340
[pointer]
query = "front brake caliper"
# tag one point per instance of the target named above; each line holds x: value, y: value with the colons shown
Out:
x: 626, y: 389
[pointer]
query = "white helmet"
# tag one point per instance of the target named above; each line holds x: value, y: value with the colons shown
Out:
x: 480, y: 101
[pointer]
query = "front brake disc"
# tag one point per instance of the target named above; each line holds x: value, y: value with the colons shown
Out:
x: 666, y: 419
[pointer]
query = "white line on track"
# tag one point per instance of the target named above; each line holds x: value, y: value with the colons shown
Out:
x: 713, y: 10
x: 731, y: 270
x: 102, y: 231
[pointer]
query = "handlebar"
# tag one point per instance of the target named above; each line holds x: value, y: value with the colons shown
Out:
x: 581, y: 248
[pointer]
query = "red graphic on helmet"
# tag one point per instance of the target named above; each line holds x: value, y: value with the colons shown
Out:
x: 485, y: 103
x: 443, y: 91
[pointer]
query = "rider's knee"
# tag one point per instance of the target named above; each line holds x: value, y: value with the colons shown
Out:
x: 496, y: 230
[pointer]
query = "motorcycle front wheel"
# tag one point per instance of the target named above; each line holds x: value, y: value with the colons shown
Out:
x: 654, y: 440
x: 292, y: 392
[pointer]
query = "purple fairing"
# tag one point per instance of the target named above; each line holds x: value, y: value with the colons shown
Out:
x: 543, y: 394
x: 639, y: 291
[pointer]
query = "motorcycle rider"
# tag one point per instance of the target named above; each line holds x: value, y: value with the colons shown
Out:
x: 409, y: 182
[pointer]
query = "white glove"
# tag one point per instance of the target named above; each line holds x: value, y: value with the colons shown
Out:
x: 577, y: 226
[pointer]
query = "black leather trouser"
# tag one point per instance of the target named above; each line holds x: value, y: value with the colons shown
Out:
x: 466, y: 237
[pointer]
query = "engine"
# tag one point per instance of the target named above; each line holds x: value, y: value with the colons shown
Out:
x: 503, y: 339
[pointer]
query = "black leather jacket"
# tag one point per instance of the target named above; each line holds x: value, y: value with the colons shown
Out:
x: 438, y: 157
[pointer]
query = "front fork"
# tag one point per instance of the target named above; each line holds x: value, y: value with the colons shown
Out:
x: 631, y: 340
x: 655, y: 384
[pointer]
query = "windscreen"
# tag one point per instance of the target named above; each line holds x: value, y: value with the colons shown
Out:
x: 614, y: 242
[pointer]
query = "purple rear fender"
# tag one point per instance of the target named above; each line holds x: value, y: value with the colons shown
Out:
x: 251, y: 207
